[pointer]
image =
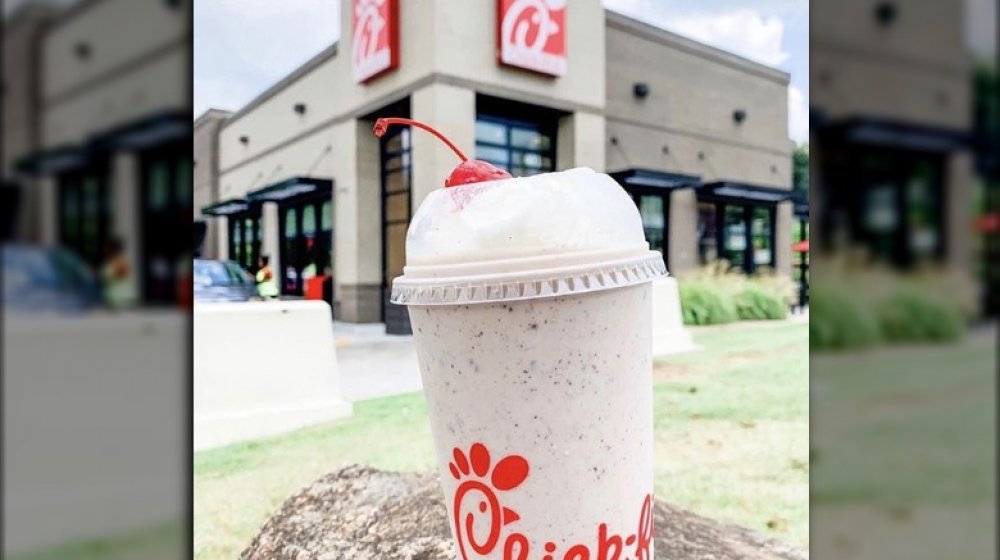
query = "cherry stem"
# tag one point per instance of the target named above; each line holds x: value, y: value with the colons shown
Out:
x: 382, y: 125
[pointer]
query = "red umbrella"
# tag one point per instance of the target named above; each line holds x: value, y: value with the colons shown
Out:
x: 801, y: 246
x: 988, y: 223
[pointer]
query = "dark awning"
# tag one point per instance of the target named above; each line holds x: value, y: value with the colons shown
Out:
x: 55, y: 160
x: 291, y: 188
x: 226, y: 207
x: 895, y: 134
x: 654, y: 179
x: 743, y: 192
x: 146, y: 132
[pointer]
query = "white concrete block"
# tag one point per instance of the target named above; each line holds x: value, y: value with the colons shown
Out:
x: 669, y: 334
x: 94, y: 430
x: 263, y: 368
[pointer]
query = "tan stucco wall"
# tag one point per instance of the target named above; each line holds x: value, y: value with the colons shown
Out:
x: 693, y: 91
x: 643, y: 147
x: 139, y: 50
x: 918, y: 76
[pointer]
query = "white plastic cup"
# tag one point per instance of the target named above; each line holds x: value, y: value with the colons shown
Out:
x: 538, y: 376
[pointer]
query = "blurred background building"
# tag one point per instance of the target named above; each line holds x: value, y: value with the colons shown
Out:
x: 697, y: 135
x: 903, y: 158
x: 97, y: 133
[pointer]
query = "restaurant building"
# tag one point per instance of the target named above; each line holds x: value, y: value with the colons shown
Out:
x: 893, y: 165
x: 97, y: 134
x: 698, y: 137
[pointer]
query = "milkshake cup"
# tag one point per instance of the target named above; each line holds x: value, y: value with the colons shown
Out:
x: 530, y: 302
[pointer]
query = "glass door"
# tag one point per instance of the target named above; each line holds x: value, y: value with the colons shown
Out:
x: 85, y: 213
x: 245, y: 239
x: 396, y: 208
x: 165, y: 186
x: 654, y: 209
x: 306, y: 241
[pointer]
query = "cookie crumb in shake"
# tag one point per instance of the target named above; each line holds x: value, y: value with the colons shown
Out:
x: 530, y: 302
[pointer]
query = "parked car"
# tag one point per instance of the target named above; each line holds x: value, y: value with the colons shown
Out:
x: 41, y: 280
x: 222, y: 281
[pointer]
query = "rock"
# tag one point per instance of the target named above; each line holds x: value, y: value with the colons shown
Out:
x: 361, y: 513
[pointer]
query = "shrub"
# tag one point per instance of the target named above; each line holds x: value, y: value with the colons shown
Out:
x: 756, y: 302
x: 838, y: 320
x: 910, y: 314
x: 706, y: 303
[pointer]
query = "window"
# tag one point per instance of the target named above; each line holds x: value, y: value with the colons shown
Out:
x: 742, y: 235
x: 653, y: 209
x: 396, y: 209
x: 761, y: 236
x: 85, y: 213
x: 734, y: 236
x: 522, y: 148
x: 708, y: 250
x: 245, y: 239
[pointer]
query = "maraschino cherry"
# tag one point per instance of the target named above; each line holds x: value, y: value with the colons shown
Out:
x: 469, y: 171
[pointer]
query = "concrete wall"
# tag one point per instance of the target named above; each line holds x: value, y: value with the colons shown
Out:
x: 686, y: 124
x: 138, y: 49
x: 241, y: 393
x: 66, y: 376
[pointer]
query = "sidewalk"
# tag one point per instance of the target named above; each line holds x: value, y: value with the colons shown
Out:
x: 374, y: 364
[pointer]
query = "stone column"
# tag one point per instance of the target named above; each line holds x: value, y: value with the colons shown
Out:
x: 270, y: 244
x: 48, y: 210
x: 357, y: 236
x: 958, y: 192
x: 580, y: 141
x: 683, y: 231
x: 452, y: 109
x: 783, y: 224
x: 126, y: 209
x: 221, y: 238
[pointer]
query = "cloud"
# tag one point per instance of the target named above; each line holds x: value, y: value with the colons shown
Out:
x: 798, y: 115
x: 243, y: 46
x: 741, y: 31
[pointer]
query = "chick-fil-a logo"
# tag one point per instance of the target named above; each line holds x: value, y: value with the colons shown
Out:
x: 531, y: 34
x: 375, y: 44
x: 480, y: 518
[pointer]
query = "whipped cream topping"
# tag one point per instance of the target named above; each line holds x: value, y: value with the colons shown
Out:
x: 565, y: 212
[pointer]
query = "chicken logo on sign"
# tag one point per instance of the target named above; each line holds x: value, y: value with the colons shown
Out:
x: 532, y: 35
x: 375, y: 46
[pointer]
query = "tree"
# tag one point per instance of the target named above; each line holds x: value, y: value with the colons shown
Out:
x: 800, y: 169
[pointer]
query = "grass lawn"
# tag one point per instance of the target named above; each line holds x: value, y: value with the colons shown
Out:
x: 904, y: 451
x: 732, y: 437
x: 163, y: 542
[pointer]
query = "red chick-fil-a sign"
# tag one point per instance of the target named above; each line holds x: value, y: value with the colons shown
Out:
x: 375, y: 45
x: 531, y: 34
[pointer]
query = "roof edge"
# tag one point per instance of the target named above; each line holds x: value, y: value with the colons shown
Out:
x: 279, y: 86
x: 212, y: 113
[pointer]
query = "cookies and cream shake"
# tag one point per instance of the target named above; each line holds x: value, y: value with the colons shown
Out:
x: 530, y: 305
